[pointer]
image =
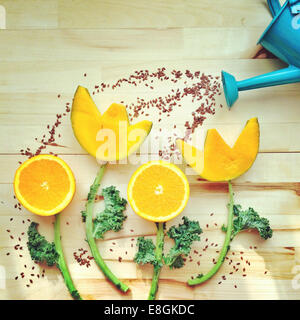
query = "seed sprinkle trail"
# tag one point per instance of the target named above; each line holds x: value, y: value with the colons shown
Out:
x: 18, y: 248
x: 82, y: 258
x: 202, y: 93
x: 235, y: 260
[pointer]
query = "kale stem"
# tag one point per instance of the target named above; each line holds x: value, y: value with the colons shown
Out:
x: 61, y: 264
x: 159, y: 256
x: 225, y: 248
x: 89, y: 232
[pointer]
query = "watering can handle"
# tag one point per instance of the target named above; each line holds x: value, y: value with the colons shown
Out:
x: 274, y: 6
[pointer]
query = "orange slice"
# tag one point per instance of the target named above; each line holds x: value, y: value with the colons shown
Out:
x: 158, y: 191
x: 44, y: 185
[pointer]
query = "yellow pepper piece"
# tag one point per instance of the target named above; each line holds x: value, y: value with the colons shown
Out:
x: 107, y: 137
x: 220, y: 162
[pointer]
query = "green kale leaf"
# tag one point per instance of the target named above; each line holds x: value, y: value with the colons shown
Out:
x: 112, y: 217
x: 39, y: 248
x: 249, y: 219
x: 146, y: 252
x: 184, y: 235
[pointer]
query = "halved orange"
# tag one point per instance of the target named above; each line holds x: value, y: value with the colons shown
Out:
x: 44, y: 185
x: 158, y: 191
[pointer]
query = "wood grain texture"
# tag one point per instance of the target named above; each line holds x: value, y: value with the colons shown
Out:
x: 32, y: 14
x: 132, y: 44
x: 51, y: 44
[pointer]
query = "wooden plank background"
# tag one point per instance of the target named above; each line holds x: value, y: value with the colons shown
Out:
x: 45, y: 51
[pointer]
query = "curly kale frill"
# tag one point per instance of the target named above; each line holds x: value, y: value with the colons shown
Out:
x: 249, y: 219
x: 146, y: 252
x: 183, y: 235
x: 112, y: 217
x: 39, y: 248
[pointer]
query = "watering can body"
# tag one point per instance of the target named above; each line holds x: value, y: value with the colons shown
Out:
x: 282, y: 38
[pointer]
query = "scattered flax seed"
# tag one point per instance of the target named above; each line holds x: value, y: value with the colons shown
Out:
x: 202, y: 92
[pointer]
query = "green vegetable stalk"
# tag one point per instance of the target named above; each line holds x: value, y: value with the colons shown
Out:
x: 183, y: 235
x: 158, y: 256
x: 244, y: 220
x: 52, y: 254
x: 88, y: 216
x: 61, y: 263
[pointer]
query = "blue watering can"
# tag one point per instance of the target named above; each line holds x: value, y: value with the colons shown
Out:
x: 282, y: 38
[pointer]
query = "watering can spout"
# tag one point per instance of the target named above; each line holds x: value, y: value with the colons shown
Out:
x: 282, y: 38
x: 290, y: 74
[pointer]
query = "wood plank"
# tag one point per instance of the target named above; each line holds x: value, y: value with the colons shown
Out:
x: 33, y: 14
x: 284, y: 139
x: 281, y: 198
x: 95, y: 289
x: 34, y: 103
x: 131, y: 44
x: 264, y: 255
x: 161, y: 14
x: 268, y: 168
x: 46, y: 79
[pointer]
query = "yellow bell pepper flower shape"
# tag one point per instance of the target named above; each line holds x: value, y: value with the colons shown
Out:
x: 107, y: 137
x: 220, y: 162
